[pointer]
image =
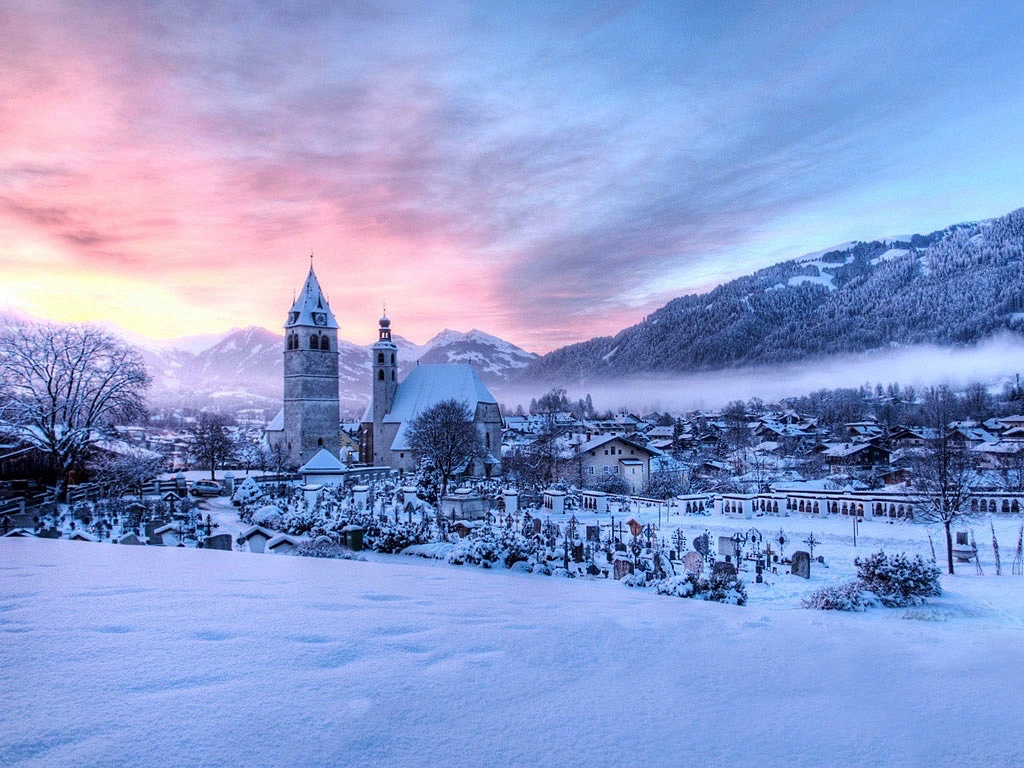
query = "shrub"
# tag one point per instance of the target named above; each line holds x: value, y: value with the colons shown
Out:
x: 898, y: 580
x: 842, y: 597
x: 328, y: 549
x: 635, y: 579
x: 720, y: 588
x: 726, y: 588
x: 678, y: 586
x: 396, y: 537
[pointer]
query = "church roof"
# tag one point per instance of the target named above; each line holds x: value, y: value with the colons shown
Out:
x: 311, y: 301
x: 277, y: 423
x: 428, y: 385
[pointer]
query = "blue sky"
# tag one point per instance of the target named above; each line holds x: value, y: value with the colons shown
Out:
x: 544, y: 171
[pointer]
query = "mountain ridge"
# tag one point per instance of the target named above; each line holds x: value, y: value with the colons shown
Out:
x: 953, y: 287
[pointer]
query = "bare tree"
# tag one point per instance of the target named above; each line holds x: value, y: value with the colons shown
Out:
x: 210, y: 444
x: 446, y: 435
x: 125, y: 473
x: 62, y: 387
x: 944, y: 474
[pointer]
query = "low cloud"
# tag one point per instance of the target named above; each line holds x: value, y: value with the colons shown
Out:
x: 993, y: 363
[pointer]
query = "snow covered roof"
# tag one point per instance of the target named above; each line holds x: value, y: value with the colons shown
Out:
x: 597, y: 442
x: 428, y: 385
x: 277, y: 423
x: 311, y: 307
x: 255, y: 530
x: 322, y: 461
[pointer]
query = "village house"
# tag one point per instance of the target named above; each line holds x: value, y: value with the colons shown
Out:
x: 616, y: 455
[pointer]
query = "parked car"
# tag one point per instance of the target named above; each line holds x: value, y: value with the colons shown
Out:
x: 206, y: 488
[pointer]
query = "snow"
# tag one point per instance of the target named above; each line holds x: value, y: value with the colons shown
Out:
x: 824, y: 279
x: 126, y: 656
x: 892, y: 253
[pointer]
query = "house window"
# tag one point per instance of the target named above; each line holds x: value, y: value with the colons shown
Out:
x: 606, y: 470
x: 590, y: 469
x: 380, y: 358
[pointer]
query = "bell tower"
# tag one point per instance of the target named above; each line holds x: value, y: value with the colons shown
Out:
x: 312, y: 412
x: 384, y: 364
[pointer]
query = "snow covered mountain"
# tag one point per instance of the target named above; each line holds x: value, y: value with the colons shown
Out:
x: 952, y: 288
x: 245, y: 366
x: 492, y: 358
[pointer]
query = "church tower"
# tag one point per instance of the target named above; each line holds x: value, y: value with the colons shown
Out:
x: 312, y: 412
x: 384, y: 364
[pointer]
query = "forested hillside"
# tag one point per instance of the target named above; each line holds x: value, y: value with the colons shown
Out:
x: 952, y: 287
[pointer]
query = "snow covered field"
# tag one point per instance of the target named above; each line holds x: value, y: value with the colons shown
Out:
x: 126, y: 656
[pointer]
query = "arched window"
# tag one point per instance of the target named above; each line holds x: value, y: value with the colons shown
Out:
x: 320, y: 442
x: 314, y: 342
x: 325, y: 343
x: 288, y: 343
x: 392, y: 375
x: 380, y: 375
x: 380, y: 358
x: 392, y: 358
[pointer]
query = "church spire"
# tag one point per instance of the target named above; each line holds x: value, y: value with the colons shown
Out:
x: 310, y: 306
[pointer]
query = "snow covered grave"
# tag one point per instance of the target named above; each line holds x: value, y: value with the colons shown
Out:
x: 180, y: 657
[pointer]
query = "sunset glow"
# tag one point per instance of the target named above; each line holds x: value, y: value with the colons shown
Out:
x: 544, y: 173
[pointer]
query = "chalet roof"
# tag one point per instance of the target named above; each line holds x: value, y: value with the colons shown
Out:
x: 597, y: 442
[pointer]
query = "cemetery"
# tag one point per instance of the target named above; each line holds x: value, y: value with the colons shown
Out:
x: 750, y: 556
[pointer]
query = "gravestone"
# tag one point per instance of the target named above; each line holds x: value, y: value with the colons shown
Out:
x: 537, y: 525
x: 693, y: 563
x: 594, y: 533
x: 702, y: 545
x: 623, y: 567
x: 221, y: 541
x: 726, y: 546
x: 801, y: 564
x: 577, y: 553
x: 723, y: 569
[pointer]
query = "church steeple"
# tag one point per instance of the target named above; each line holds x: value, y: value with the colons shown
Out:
x: 311, y: 397
x: 384, y: 364
x: 310, y: 307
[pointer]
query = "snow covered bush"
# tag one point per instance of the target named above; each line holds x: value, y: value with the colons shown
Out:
x: 248, y: 491
x: 480, y: 548
x: 677, y: 586
x: 893, y: 581
x: 515, y: 548
x: 725, y: 588
x: 720, y: 588
x: 898, y: 580
x: 269, y: 516
x: 394, y: 537
x: 328, y: 549
x: 635, y: 579
x: 841, y: 597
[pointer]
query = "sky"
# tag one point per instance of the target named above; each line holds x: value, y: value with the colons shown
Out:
x: 546, y: 172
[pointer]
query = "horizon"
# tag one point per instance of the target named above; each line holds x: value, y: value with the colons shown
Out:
x: 554, y: 175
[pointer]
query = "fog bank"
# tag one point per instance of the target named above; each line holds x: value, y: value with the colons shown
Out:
x: 992, y: 362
